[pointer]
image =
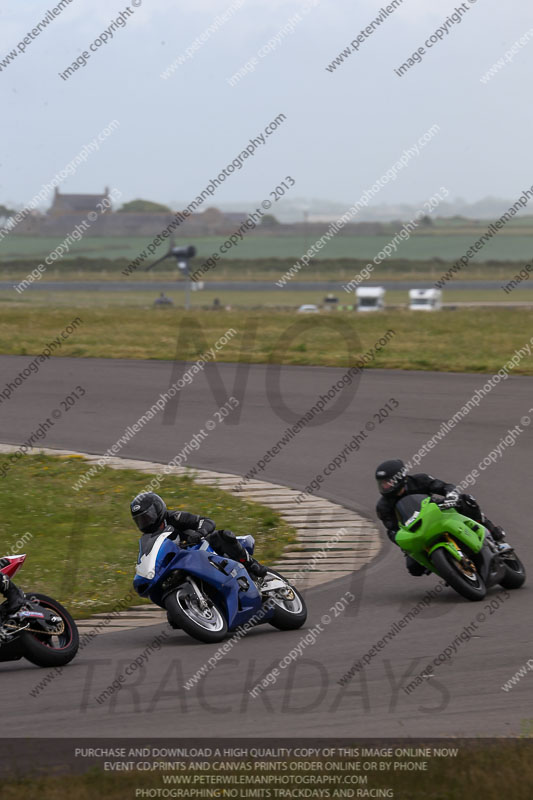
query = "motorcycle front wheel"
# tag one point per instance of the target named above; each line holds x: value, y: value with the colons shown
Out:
x: 184, y: 610
x: 466, y: 581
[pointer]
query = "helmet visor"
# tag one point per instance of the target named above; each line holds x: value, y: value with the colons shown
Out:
x: 391, y: 483
x: 147, y: 520
x: 386, y: 484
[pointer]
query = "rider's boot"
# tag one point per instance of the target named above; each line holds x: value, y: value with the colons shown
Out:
x: 253, y: 566
x: 496, y: 532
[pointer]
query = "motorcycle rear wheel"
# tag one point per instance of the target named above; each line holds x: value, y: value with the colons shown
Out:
x: 44, y: 650
x: 471, y: 587
x: 515, y: 573
x: 290, y: 612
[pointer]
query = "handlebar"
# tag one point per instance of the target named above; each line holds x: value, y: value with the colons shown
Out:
x: 444, y: 504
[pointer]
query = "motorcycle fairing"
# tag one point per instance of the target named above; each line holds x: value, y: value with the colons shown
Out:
x: 238, y: 591
x: 429, y: 528
x: 15, y: 562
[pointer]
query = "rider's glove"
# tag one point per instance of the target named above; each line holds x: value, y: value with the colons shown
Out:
x: 193, y: 537
x: 451, y: 499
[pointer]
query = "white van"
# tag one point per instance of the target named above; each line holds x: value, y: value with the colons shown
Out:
x: 425, y: 299
x: 370, y: 298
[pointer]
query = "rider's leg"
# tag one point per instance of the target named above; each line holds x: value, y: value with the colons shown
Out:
x: 470, y: 508
x: 414, y: 568
x: 226, y: 543
x: 15, y: 597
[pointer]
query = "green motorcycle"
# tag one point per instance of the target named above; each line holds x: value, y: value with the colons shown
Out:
x: 456, y: 547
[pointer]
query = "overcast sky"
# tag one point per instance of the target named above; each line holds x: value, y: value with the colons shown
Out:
x: 343, y: 129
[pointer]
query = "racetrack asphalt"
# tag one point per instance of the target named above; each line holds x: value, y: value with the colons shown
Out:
x: 464, y: 698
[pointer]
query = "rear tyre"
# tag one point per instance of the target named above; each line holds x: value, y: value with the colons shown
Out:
x: 515, y: 573
x: 184, y: 611
x: 290, y: 611
x: 467, y: 583
x: 44, y: 650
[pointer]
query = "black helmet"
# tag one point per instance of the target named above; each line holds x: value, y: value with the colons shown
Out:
x: 390, y: 476
x: 148, y: 511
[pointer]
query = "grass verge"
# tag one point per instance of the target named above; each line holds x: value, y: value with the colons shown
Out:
x: 480, y: 340
x: 266, y: 300
x: 82, y: 546
x: 102, y: 270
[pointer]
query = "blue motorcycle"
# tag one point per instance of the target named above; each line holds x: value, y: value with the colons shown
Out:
x: 207, y: 595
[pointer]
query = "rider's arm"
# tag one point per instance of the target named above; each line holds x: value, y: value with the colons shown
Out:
x: 183, y: 521
x: 388, y: 518
x: 430, y: 485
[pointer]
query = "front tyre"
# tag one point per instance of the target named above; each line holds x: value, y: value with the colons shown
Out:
x: 515, y: 573
x: 45, y: 650
x: 184, y: 611
x: 465, y: 580
x: 290, y: 611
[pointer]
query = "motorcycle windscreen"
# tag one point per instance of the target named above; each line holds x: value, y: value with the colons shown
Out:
x: 409, y: 505
x: 147, y: 542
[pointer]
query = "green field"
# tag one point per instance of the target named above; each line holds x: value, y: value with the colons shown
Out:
x: 513, y: 243
x: 342, y: 271
x: 455, y: 341
x: 83, y: 544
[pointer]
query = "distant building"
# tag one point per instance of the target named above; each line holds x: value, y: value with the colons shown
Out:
x: 79, y: 204
x: 69, y: 210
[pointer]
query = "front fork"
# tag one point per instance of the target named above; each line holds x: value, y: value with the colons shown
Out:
x: 455, y: 550
x: 202, y: 602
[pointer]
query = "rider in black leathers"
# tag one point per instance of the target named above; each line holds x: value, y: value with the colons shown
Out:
x: 394, y: 483
x: 150, y: 514
x: 15, y: 597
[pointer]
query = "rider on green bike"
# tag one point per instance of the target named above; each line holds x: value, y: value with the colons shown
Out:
x: 394, y: 483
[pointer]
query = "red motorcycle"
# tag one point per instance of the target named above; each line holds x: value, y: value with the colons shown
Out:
x: 42, y: 631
